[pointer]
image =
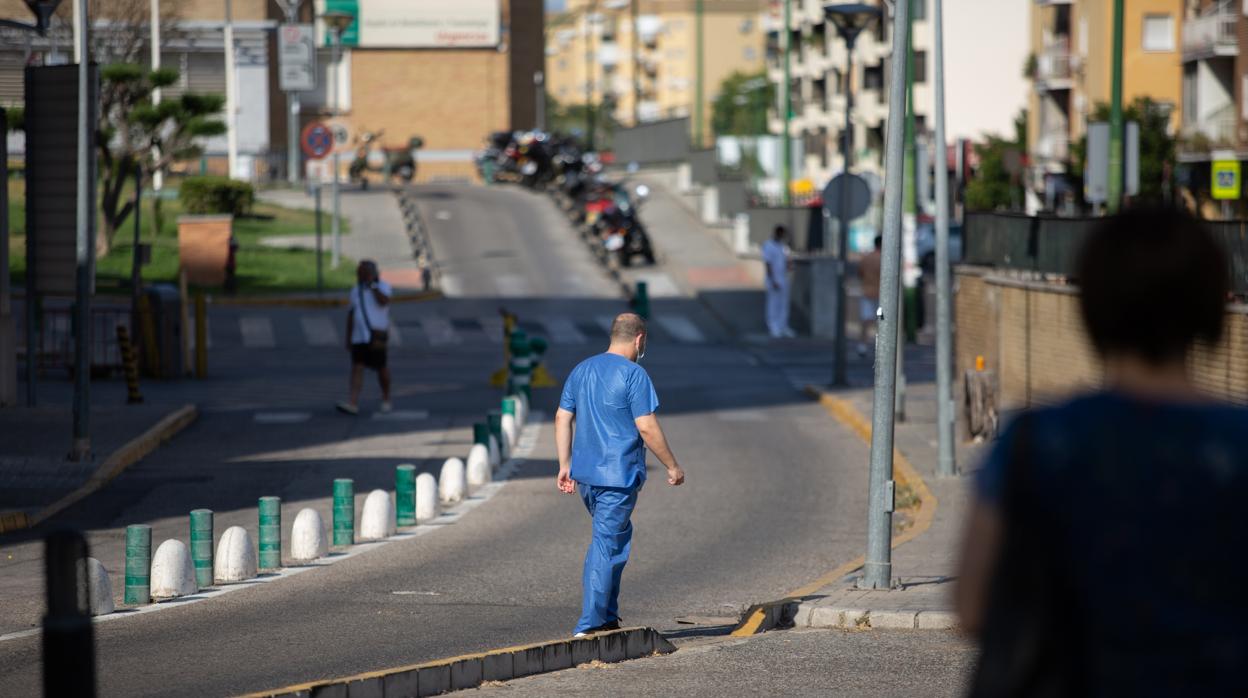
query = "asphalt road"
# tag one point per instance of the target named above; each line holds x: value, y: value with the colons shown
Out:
x: 774, y: 496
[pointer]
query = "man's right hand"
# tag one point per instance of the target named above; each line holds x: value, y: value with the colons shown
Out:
x: 565, y: 482
x: 675, y: 476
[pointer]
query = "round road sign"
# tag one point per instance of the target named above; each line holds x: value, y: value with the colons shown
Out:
x: 317, y: 140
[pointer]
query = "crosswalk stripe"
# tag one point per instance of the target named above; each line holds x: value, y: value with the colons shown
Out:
x: 319, y: 331
x: 561, y: 330
x: 439, y: 331
x: 681, y: 328
x: 492, y: 325
x: 257, y: 331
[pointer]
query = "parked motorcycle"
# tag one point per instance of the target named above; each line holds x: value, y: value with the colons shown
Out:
x: 391, y: 162
x: 617, y: 227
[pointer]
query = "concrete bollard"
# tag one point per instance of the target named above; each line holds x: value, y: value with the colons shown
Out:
x: 481, y: 433
x: 201, y: 546
x: 426, y: 498
x: 270, y: 533
x: 236, y: 558
x: 377, y: 518
x: 173, y: 575
x: 307, y: 537
x: 495, y: 456
x: 99, y: 589
x: 510, y: 433
x: 138, y: 564
x: 512, y: 405
x: 451, y: 481
x: 344, y: 511
x: 479, y: 472
x: 496, y: 430
x: 405, y: 495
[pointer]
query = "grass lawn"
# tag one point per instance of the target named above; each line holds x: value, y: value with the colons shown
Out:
x: 261, y: 269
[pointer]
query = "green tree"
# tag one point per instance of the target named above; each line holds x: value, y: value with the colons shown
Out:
x: 740, y: 108
x: 994, y: 186
x: 1157, y: 147
x: 574, y: 119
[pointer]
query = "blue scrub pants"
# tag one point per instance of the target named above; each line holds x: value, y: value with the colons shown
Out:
x: 611, y: 509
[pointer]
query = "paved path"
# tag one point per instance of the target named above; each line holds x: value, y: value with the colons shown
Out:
x: 774, y: 497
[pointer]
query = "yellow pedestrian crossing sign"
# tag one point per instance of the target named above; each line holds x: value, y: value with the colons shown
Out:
x: 1226, y: 179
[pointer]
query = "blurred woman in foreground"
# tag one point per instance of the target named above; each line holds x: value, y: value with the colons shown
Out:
x: 1104, y: 554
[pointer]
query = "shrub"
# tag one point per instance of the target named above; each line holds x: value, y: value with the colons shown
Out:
x: 216, y: 195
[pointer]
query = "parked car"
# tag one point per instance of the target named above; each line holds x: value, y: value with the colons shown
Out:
x: 925, y: 245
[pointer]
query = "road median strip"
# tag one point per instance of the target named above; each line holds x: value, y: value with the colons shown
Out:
x: 794, y: 609
x: 471, y: 670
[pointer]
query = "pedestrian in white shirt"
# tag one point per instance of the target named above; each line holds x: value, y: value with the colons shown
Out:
x: 777, y: 264
x: 368, y: 332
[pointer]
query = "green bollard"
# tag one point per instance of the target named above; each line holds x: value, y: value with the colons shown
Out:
x: 481, y: 433
x: 641, y: 300
x: 344, y: 511
x: 138, y: 564
x: 270, y: 533
x: 509, y: 407
x: 496, y: 429
x: 405, y: 495
x: 201, y: 546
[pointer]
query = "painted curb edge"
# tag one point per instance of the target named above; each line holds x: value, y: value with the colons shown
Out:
x: 471, y: 670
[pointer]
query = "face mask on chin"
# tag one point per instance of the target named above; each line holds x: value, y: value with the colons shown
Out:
x: 641, y: 352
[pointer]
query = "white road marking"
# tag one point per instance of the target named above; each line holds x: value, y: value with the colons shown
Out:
x: 257, y: 331
x: 682, y: 328
x: 439, y: 331
x: 401, y: 416
x: 319, y: 331
x: 561, y: 330
x: 281, y: 417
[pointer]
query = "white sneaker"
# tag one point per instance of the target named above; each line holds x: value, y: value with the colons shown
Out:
x: 347, y: 408
x: 581, y: 635
x: 386, y: 407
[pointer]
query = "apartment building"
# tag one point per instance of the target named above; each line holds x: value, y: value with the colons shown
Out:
x: 1071, y: 71
x: 640, y: 56
x: 817, y: 65
x: 1215, y: 81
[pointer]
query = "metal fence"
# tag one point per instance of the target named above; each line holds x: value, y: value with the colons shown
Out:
x: 1051, y: 245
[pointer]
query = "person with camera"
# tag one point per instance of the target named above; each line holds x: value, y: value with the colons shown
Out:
x: 368, y: 332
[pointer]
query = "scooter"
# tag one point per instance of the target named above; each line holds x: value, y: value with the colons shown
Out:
x: 389, y: 162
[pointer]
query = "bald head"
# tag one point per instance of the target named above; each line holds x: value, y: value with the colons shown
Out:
x: 626, y: 328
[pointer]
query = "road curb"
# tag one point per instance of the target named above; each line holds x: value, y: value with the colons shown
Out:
x: 471, y: 670
x: 810, y: 615
x: 301, y: 302
x: 117, y: 463
x: 767, y: 616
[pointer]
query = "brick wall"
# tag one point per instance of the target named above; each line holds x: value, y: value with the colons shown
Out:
x: 1031, y: 334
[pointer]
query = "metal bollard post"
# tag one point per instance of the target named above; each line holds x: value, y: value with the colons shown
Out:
x: 344, y: 511
x: 270, y: 533
x: 521, y: 366
x: 641, y: 300
x: 138, y: 564
x: 68, y: 640
x: 201, y: 546
x: 405, y: 495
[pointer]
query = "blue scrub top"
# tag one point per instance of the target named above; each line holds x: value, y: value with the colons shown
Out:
x: 607, y: 393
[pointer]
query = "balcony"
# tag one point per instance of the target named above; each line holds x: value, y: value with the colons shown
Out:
x: 1054, y: 68
x: 1215, y: 130
x: 609, y: 55
x: 1211, y: 35
x: 1053, y: 147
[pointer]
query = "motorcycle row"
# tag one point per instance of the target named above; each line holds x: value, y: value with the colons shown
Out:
x: 605, y: 209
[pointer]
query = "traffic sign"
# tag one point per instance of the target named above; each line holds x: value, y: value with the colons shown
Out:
x: 296, y: 54
x: 859, y: 196
x: 317, y: 140
x: 1226, y: 179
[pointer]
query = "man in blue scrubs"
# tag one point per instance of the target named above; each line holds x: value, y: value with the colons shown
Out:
x: 603, y: 426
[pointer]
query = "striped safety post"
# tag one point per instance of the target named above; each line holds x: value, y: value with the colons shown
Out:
x: 270, y: 533
x: 521, y: 364
x: 405, y: 495
x: 344, y: 511
x: 541, y: 377
x: 138, y: 564
x: 481, y: 433
x: 201, y: 546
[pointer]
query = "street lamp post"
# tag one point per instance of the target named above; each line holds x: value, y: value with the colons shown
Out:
x: 850, y: 20
x: 337, y: 22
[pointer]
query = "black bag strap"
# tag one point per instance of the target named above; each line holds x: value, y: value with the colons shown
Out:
x: 364, y: 310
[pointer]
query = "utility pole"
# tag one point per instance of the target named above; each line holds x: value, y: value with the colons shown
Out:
x: 699, y: 70
x: 1116, y: 159
x: 291, y: 8
x: 787, y: 106
x: 336, y: 191
x: 946, y: 461
x: 84, y: 252
x: 879, y: 567
x: 158, y: 177
x: 231, y: 92
x: 589, y: 73
x: 632, y: 9
x: 910, y: 194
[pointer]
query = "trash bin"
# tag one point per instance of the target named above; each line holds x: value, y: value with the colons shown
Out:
x: 166, y: 326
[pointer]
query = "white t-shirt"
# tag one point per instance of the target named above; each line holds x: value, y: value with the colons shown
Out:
x: 776, y: 257
x: 378, y: 315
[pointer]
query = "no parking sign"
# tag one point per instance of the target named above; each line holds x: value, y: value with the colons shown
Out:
x: 317, y: 140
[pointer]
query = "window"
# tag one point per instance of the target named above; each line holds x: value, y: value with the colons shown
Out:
x: 918, y: 9
x: 1159, y: 33
x: 920, y: 67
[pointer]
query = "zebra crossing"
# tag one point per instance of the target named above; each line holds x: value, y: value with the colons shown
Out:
x: 322, y: 330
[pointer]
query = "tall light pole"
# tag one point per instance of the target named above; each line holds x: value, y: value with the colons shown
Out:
x: 879, y: 566
x: 231, y: 93
x: 699, y: 67
x: 158, y: 177
x: 589, y: 73
x: 84, y: 249
x: 850, y: 20
x: 291, y: 8
x: 337, y: 22
x: 632, y: 11
x: 946, y: 462
x: 1116, y: 160
x: 787, y: 105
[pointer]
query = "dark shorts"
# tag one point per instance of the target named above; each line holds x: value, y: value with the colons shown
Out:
x: 371, y: 358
